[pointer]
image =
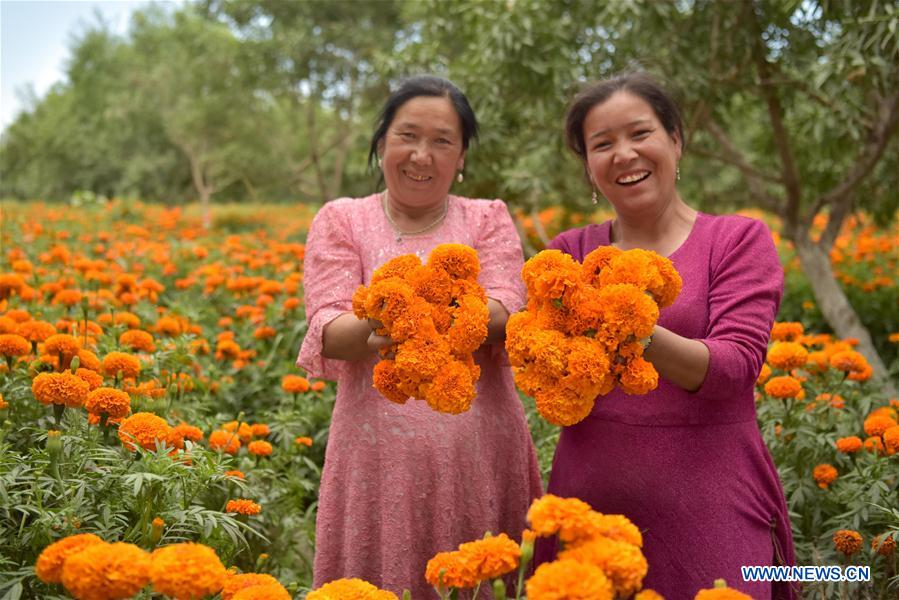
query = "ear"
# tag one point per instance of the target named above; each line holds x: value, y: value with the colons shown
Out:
x: 460, y: 164
x: 381, y: 147
x: 678, y: 145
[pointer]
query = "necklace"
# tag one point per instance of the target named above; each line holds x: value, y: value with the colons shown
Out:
x: 396, y: 228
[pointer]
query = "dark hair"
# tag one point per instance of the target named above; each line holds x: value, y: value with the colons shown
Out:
x: 637, y: 83
x: 424, y: 85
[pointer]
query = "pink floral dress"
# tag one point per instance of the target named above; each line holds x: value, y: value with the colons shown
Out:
x: 402, y: 482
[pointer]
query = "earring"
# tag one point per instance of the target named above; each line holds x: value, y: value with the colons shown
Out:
x: 595, y: 199
x: 379, y: 162
x: 677, y: 173
x: 460, y: 177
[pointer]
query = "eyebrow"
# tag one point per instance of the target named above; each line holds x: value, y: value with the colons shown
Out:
x: 440, y: 130
x: 607, y: 130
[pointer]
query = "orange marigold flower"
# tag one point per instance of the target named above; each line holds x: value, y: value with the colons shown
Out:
x: 10, y: 283
x: 875, y: 444
x: 787, y: 331
x: 848, y: 361
x: 13, y: 345
x: 67, y: 297
x: 236, y: 583
x: 106, y: 571
x: 114, y: 403
x: 137, y: 339
x: 93, y: 379
x: 303, y: 441
x: 189, y: 432
x: 63, y: 346
x: 235, y: 473
x: 875, y: 425
x: 224, y: 441
x: 60, y: 388
x: 849, y: 445
x: 451, y: 390
x: 128, y: 364
x: 571, y: 580
x: 349, y: 589
x: 317, y: 386
x: 264, y: 333
x: 783, y: 387
x: 49, y: 564
x: 549, y: 274
x: 492, y: 556
x: 260, y: 429
x: 89, y: 360
x: 571, y: 518
x: 824, y: 474
x: 145, y: 429
x: 787, y: 356
x: 623, y: 563
x: 267, y: 591
x: 450, y: 570
x: 187, y: 571
x: 295, y: 384
x: 616, y: 527
x: 648, y: 594
x: 891, y: 440
x: 883, y: 544
x: 764, y: 374
x: 457, y: 260
x: 259, y: 448
x: 847, y: 541
x: 722, y: 593
x: 243, y: 507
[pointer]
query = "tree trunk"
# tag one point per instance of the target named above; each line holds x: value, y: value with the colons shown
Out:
x: 835, y: 305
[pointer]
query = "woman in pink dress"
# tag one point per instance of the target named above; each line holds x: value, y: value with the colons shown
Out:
x: 685, y: 462
x: 402, y: 482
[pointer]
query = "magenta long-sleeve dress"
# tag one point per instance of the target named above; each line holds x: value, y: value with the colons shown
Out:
x: 691, y: 469
x: 403, y: 482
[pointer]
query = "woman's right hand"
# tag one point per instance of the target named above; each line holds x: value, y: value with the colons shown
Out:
x: 377, y: 342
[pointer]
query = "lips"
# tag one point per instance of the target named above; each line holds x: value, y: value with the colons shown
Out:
x: 632, y: 177
x: 416, y: 177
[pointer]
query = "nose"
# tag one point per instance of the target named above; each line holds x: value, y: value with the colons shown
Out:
x: 421, y: 155
x: 623, y: 153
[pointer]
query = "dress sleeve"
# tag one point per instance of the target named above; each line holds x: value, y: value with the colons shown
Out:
x: 499, y: 252
x: 745, y: 289
x: 332, y: 272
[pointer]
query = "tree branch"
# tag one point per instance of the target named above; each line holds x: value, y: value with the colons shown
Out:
x: 840, y: 197
x: 790, y: 173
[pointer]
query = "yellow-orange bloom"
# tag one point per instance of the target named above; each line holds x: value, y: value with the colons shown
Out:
x: 236, y: 583
x: 571, y: 518
x: 450, y: 570
x: 187, y: 571
x: 243, y: 507
x: 849, y: 445
x: 114, y: 403
x: 116, y: 362
x: 303, y: 441
x: 787, y: 332
x: 13, y: 345
x: 349, y: 589
x: 787, y: 356
x: 849, y: 361
x: 295, y: 384
x: 571, y: 580
x: 259, y: 448
x: 891, y: 439
x: 137, y: 339
x: 764, y: 374
x: 188, y: 432
x: 36, y: 331
x: 824, y: 474
x: 492, y: 556
x: 847, y: 541
x: 876, y: 424
x: 623, y: 563
x: 63, y: 346
x: 884, y: 544
x: 783, y: 387
x: 60, y: 388
x: 49, y: 564
x: 145, y: 429
x: 224, y: 441
x: 106, y: 572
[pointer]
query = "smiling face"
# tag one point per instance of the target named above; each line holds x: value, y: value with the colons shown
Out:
x: 631, y: 158
x: 421, y: 152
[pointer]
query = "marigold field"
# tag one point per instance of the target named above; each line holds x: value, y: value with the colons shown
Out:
x: 152, y: 419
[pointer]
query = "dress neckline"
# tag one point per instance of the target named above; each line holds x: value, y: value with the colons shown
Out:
x: 607, y: 226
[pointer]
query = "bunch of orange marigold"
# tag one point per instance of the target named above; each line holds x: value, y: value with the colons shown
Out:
x: 436, y: 314
x: 349, y: 589
x: 585, y: 326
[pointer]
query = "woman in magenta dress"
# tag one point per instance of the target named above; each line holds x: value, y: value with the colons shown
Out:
x: 685, y: 462
x: 403, y: 482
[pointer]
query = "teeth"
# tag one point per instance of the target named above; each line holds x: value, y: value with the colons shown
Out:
x: 633, y: 177
x: 417, y: 177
